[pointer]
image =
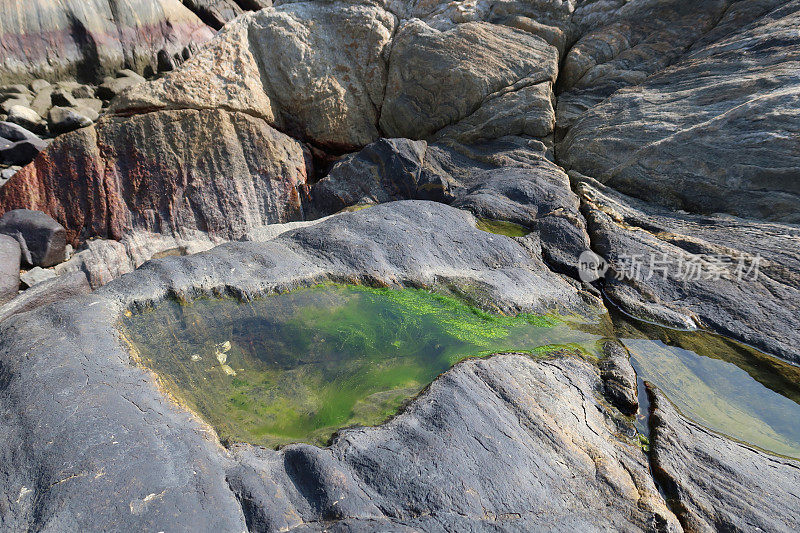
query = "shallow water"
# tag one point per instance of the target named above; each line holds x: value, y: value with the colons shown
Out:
x: 300, y: 365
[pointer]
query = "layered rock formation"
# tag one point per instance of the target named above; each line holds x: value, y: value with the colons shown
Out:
x: 676, y: 122
x: 87, y: 40
x: 209, y: 171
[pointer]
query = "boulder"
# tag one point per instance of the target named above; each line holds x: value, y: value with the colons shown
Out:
x: 21, y: 152
x: 10, y: 257
x: 714, y: 132
x: 211, y: 171
x: 437, y: 78
x: 314, y: 70
x: 63, y: 119
x: 27, y: 118
x: 41, y: 238
x: 88, y: 39
x: 83, y: 91
x: 42, y: 102
x: 718, y: 484
x: 386, y: 170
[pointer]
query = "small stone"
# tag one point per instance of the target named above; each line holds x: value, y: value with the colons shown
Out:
x: 94, y: 104
x: 111, y: 87
x: 84, y: 91
x: 62, y: 98
x: 8, y: 103
x: 36, y: 275
x: 10, y: 257
x: 165, y: 62
x: 15, y: 132
x: 64, y: 119
x: 41, y: 238
x: 42, y: 102
x: 17, y: 89
x: 128, y: 73
x: 38, y: 85
x: 27, y: 118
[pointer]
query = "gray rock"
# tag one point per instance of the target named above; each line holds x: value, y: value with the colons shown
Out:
x: 619, y: 378
x: 438, y: 78
x: 93, y: 104
x: 15, y: 132
x: 36, y: 275
x: 111, y: 87
x: 10, y: 257
x: 717, y: 484
x: 735, y: 276
x: 715, y: 132
x: 7, y: 173
x: 38, y: 86
x: 63, y: 119
x: 83, y: 92
x: 8, y: 103
x: 27, y: 118
x: 42, y: 102
x: 385, y: 170
x: 21, y: 152
x: 41, y: 238
x: 47, y: 292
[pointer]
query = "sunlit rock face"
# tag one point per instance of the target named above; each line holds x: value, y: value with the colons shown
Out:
x: 89, y: 39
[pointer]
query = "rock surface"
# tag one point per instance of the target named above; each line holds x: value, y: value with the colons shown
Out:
x: 87, y: 39
x: 719, y: 484
x: 10, y: 257
x: 164, y: 467
x: 715, y: 132
x: 735, y: 276
x: 212, y: 172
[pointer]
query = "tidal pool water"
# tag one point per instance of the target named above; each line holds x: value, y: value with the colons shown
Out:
x: 300, y: 365
x: 296, y: 367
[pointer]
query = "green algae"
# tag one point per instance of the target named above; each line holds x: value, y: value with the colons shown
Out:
x: 502, y: 227
x: 298, y: 366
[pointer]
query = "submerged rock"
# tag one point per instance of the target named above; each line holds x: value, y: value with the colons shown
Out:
x: 717, y: 483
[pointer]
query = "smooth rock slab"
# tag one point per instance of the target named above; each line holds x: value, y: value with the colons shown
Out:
x: 509, y: 443
x: 79, y: 422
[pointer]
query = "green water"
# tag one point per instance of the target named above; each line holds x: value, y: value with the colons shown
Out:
x: 299, y: 366
x: 501, y: 227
